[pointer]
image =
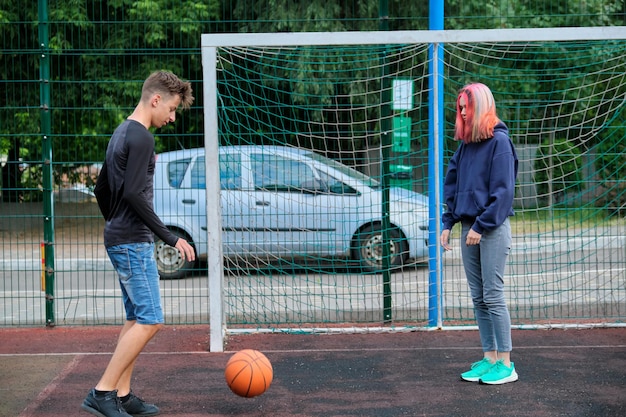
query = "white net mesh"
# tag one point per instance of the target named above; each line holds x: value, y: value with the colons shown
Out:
x: 564, y: 105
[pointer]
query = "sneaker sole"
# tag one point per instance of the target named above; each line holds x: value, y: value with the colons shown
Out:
x: 470, y: 378
x: 511, y: 378
x: 92, y: 410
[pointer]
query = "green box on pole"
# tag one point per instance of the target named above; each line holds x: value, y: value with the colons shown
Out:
x: 401, y: 134
x: 401, y: 176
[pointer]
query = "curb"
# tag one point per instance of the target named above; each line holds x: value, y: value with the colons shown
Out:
x: 93, y: 264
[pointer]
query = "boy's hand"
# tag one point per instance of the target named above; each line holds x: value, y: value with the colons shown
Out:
x: 185, y: 249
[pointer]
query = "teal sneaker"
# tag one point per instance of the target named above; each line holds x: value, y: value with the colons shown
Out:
x: 499, y: 374
x: 477, y: 370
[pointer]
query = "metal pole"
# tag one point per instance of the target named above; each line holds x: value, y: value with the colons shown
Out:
x: 435, y: 169
x: 215, y: 259
x: 385, y: 139
x: 46, y: 131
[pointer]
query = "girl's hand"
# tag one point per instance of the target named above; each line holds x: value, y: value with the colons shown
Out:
x: 444, y: 239
x: 473, y: 238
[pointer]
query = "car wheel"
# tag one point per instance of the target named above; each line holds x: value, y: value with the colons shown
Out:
x: 368, y: 249
x: 170, y: 263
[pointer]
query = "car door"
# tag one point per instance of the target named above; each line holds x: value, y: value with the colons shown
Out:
x: 190, y: 198
x: 239, y: 231
x: 288, y: 211
x: 238, y: 236
x: 343, y: 212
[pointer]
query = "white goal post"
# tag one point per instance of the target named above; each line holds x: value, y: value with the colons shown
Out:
x: 210, y: 45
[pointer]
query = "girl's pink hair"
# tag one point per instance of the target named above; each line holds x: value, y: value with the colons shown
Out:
x: 480, y: 114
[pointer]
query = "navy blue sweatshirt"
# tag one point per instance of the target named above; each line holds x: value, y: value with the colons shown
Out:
x: 480, y: 182
x: 124, y: 189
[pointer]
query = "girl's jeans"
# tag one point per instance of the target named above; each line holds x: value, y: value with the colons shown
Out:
x: 484, y: 268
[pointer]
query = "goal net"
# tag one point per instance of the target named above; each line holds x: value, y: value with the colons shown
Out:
x: 365, y: 101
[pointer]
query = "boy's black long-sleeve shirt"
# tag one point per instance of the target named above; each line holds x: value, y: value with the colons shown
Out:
x: 124, y: 189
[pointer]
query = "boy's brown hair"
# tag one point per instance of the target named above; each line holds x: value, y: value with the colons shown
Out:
x: 167, y: 83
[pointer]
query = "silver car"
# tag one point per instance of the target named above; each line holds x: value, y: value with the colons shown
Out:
x: 280, y: 202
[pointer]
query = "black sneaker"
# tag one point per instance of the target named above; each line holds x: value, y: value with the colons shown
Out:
x: 106, y: 405
x: 135, y: 406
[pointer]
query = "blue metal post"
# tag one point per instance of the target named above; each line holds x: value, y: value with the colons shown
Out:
x: 435, y: 169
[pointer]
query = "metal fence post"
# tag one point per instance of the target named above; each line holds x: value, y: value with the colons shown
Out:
x: 46, y: 130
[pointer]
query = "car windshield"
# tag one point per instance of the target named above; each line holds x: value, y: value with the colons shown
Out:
x: 346, y: 170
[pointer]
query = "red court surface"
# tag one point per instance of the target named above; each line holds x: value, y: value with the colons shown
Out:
x: 47, y: 372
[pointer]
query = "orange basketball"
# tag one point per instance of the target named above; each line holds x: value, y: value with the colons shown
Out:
x: 248, y: 373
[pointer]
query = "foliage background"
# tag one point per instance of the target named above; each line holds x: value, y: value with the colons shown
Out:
x: 102, y: 50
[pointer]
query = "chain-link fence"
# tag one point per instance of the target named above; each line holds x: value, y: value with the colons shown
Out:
x: 73, y: 71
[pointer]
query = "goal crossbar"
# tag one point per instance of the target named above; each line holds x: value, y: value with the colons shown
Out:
x: 415, y: 36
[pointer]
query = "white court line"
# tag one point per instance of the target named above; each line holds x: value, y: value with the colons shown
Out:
x: 569, y: 273
x: 431, y: 348
x: 330, y: 350
x: 310, y: 284
x: 33, y: 406
x: 115, y: 292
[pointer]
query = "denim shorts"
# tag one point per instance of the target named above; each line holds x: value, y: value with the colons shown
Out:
x: 139, y: 281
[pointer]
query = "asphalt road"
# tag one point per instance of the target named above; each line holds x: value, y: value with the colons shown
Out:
x: 575, y: 277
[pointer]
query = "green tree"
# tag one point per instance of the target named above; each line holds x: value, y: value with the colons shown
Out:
x: 540, y: 74
x: 100, y: 52
x: 494, y: 14
x: 19, y: 114
x: 316, y: 100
